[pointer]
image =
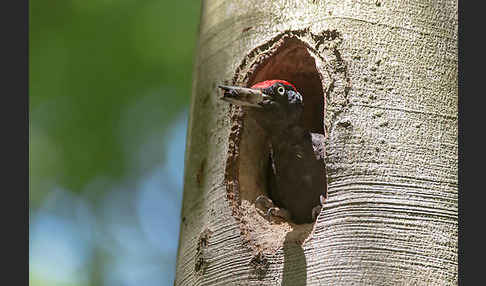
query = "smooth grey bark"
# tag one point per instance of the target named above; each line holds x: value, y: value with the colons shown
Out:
x: 391, y: 122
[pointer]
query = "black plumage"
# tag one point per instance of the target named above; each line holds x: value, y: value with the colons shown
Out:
x: 296, y: 174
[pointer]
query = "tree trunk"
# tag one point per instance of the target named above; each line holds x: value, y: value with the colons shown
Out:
x: 379, y: 79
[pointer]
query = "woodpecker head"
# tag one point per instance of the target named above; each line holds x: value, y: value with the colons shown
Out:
x: 275, y: 103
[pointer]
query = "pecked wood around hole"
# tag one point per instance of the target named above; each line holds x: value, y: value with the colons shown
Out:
x: 290, y: 59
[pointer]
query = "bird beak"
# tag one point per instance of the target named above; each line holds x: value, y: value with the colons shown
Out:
x: 243, y: 96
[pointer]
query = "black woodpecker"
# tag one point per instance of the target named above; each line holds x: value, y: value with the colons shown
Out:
x: 297, y: 175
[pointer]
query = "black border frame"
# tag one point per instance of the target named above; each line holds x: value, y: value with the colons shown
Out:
x: 14, y: 118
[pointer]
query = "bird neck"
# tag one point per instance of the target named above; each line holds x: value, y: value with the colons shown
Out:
x: 291, y: 135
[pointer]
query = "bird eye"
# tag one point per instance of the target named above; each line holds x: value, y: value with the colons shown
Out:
x: 281, y: 90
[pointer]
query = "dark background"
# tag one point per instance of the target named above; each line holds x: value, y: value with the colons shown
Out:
x: 109, y: 89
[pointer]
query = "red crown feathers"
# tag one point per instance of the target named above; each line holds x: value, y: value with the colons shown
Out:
x: 268, y: 83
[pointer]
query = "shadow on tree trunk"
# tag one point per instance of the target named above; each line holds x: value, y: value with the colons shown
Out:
x: 295, y: 265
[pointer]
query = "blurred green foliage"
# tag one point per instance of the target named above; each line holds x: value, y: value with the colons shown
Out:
x: 90, y: 62
x: 109, y: 88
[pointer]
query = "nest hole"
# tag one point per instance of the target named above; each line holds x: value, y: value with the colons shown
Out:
x: 292, y: 62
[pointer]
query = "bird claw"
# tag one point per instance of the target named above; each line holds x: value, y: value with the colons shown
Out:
x: 282, y: 213
x: 317, y: 209
x: 322, y: 199
x: 264, y: 200
x: 271, y: 210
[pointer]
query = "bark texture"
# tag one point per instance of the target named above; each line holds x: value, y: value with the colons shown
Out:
x: 388, y: 73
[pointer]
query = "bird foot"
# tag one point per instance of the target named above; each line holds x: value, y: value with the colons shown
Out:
x: 282, y: 213
x: 265, y: 204
x: 317, y: 209
x: 263, y: 201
